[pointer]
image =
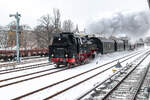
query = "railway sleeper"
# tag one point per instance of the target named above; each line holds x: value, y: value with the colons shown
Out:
x: 115, y: 97
x: 98, y: 93
x: 120, y: 92
x: 131, y: 80
x: 123, y: 89
x: 128, y: 83
x: 141, y: 96
x: 120, y: 95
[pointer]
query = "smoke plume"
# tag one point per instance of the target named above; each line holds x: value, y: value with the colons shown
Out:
x: 135, y: 24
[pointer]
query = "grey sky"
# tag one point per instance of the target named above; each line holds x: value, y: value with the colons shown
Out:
x: 80, y: 12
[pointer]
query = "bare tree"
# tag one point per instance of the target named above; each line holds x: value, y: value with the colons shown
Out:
x: 3, y: 38
x: 47, y: 27
x: 41, y: 36
x: 12, y: 25
x: 68, y: 26
x: 56, y: 20
x: 28, y: 37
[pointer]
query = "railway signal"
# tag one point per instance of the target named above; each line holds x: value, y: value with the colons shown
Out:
x: 17, y: 17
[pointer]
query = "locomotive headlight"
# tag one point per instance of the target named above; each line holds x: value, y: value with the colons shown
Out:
x: 52, y: 55
x: 59, y: 39
x: 66, y: 55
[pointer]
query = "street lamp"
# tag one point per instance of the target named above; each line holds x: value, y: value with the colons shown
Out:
x: 17, y: 17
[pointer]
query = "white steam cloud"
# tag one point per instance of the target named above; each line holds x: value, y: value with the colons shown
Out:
x: 135, y: 24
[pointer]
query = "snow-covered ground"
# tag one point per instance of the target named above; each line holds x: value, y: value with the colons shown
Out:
x: 27, y: 63
x: 24, y: 60
x: 19, y: 89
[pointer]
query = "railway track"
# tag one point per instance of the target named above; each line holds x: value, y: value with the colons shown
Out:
x: 123, y: 85
x: 145, y: 88
x: 16, y: 69
x: 22, y: 80
x: 14, y: 64
x: 32, y: 57
x: 73, y: 77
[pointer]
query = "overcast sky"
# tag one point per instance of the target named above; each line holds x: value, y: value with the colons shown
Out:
x: 81, y: 12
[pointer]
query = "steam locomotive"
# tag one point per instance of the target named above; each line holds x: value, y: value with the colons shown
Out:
x: 70, y: 49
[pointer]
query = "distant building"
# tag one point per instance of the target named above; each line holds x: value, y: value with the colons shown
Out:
x: 12, y: 37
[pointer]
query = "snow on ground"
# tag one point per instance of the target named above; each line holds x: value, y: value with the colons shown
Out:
x: 9, y: 75
x: 16, y: 90
x: 43, y: 60
x: 9, y: 62
x: 77, y: 91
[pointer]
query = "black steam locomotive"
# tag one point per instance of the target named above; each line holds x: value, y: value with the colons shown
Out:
x: 70, y: 49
